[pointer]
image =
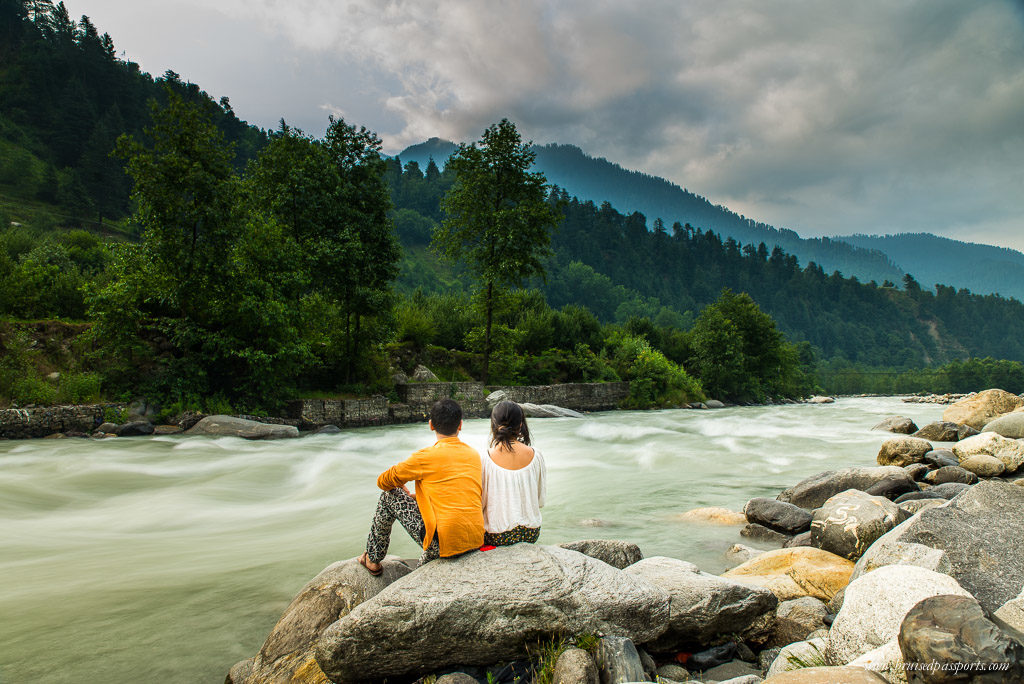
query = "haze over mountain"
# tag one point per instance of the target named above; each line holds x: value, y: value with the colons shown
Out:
x: 930, y: 259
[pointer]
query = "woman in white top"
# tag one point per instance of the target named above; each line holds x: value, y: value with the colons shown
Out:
x: 513, y: 479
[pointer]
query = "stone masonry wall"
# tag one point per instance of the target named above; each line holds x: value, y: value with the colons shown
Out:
x: 589, y: 396
x: 47, y: 420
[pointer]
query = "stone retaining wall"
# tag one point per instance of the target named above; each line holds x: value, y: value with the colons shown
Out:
x: 340, y: 412
x: 47, y: 420
x: 420, y: 396
x: 587, y: 396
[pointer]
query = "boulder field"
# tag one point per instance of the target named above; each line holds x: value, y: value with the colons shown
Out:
x: 904, y: 572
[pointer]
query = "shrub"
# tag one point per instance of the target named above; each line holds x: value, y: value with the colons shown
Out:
x: 32, y: 389
x: 79, y: 388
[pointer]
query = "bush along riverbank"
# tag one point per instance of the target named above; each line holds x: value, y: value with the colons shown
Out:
x: 908, y: 571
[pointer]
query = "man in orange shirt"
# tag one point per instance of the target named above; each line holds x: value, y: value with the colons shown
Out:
x: 445, y: 514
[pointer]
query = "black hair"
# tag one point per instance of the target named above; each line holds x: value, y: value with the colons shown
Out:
x: 446, y: 414
x: 508, y: 424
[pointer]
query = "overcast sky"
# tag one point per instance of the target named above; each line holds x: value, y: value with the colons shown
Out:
x: 825, y: 117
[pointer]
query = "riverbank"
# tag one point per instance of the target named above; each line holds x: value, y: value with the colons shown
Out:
x: 872, y: 564
x: 184, y: 552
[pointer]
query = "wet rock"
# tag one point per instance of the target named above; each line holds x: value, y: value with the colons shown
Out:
x: 738, y: 553
x: 327, y: 430
x: 106, y: 427
x: 902, y: 451
x: 939, y: 458
x: 983, y: 465
x: 703, y: 608
x: 939, y: 431
x: 548, y: 411
x: 954, y: 630
x: 763, y: 534
x: 796, y: 618
x: 167, y: 430
x: 849, y: 522
x: 917, y: 471
x: 712, y: 657
x: 875, y: 604
x: 714, y: 515
x: 802, y: 539
x: 898, y: 424
x: 821, y: 400
x: 894, y: 486
x: 467, y: 620
x: 1009, y: 451
x: 791, y: 573
x: 614, y: 552
x: 229, y: 426
x: 947, y: 491
x: 456, y: 678
x: 813, y: 491
x: 618, y: 661
x: 714, y: 404
x: 777, y: 515
x: 951, y: 474
x: 136, y: 428
x: 575, y: 666
x: 982, y: 408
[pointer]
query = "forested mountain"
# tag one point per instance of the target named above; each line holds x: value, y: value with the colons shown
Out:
x: 983, y: 269
x: 599, y: 180
x: 611, y: 263
x: 932, y: 259
x: 66, y: 97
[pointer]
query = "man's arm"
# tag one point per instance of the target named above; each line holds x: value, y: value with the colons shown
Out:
x: 397, y: 475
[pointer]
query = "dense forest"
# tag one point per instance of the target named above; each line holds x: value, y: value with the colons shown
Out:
x: 245, y: 267
x: 66, y: 98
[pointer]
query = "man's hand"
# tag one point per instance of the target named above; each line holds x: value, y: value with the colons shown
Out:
x: 406, y: 490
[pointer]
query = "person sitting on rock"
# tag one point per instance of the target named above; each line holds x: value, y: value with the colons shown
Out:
x: 445, y: 512
x: 514, y: 480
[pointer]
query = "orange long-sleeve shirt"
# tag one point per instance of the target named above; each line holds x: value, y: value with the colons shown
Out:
x: 449, y: 485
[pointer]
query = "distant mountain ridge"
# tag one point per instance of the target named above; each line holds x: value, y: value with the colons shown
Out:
x: 983, y: 269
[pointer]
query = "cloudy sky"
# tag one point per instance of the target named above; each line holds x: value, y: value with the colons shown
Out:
x: 824, y: 117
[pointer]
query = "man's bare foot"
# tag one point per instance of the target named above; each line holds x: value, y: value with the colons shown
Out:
x: 373, y: 568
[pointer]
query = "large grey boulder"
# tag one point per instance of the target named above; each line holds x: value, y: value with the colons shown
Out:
x: 423, y: 374
x: 893, y: 487
x: 952, y: 631
x: 618, y: 661
x: 705, y: 609
x: 136, y: 428
x: 777, y: 515
x: 761, y: 533
x: 1009, y: 451
x: 874, y: 607
x: 980, y: 534
x: 332, y: 594
x: 486, y: 607
x: 849, y: 522
x: 813, y: 491
x: 898, y: 424
x: 902, y: 451
x: 1010, y: 425
x: 229, y: 426
x: 614, y: 552
x: 548, y: 411
x: 979, y: 409
x: 939, y: 431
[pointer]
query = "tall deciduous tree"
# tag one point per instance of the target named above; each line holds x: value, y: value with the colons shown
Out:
x: 498, y: 219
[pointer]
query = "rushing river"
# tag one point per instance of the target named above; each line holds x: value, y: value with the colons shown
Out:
x: 168, y: 559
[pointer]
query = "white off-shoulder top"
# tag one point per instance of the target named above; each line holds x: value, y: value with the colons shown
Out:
x: 513, y: 497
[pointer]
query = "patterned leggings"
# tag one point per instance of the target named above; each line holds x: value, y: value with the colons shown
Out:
x: 396, y: 504
x: 514, y: 536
